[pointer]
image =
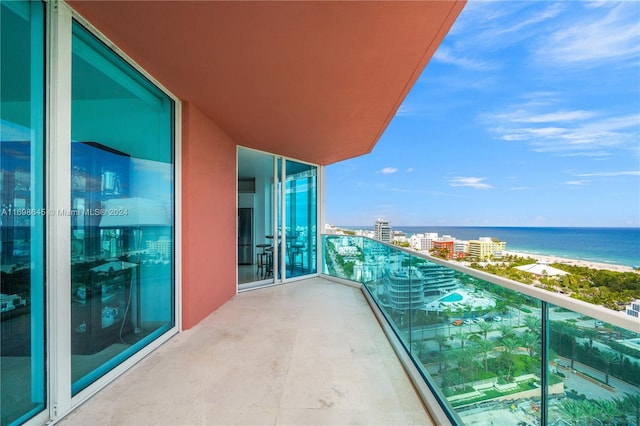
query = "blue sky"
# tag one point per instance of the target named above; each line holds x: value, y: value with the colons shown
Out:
x: 527, y: 115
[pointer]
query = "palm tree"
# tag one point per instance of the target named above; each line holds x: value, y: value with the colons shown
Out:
x: 609, y: 359
x: 571, y: 332
x: 531, y: 341
x: 419, y: 350
x: 590, y: 334
x: 462, y: 335
x: 507, y: 331
x: 534, y: 324
x: 572, y: 410
x: 506, y: 356
x: 464, y: 361
x: 590, y: 411
x: 441, y: 340
x: 447, y: 312
x: 484, y: 347
x: 510, y: 343
x: 608, y: 410
x: 631, y: 404
x: 485, y: 328
x: 501, y: 306
x: 472, y: 352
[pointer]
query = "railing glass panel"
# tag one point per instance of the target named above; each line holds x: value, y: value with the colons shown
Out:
x: 598, y: 369
x: 492, y: 354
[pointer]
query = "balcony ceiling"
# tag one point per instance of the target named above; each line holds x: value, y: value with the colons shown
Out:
x: 316, y: 81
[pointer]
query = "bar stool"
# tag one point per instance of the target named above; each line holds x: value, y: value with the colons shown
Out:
x: 297, y: 253
x: 268, y: 271
x: 262, y: 258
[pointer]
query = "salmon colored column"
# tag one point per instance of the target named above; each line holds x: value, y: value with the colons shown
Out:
x: 208, y: 216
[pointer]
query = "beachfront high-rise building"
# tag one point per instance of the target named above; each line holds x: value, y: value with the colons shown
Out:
x: 399, y: 237
x: 382, y: 230
x: 414, y: 241
x: 422, y: 242
x: 426, y: 242
x: 460, y: 249
x: 438, y: 280
x: 405, y: 288
x: 444, y: 246
x: 486, y: 247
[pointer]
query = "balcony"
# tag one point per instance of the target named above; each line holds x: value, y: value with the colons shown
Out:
x: 309, y: 352
x: 479, y: 349
x: 492, y: 350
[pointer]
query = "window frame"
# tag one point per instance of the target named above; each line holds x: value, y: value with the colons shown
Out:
x: 60, y: 17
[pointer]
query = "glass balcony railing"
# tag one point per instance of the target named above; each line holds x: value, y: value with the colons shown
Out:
x: 495, y: 351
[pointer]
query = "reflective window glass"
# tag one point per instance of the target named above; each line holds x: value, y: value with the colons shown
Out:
x: 301, y: 218
x: 122, y: 210
x: 22, y: 372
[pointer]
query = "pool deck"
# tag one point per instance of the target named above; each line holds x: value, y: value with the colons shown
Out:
x: 463, y: 298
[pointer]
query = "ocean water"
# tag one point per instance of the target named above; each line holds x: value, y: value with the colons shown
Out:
x: 618, y: 246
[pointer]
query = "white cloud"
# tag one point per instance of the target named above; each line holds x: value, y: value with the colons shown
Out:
x: 385, y: 187
x: 518, y: 27
x: 389, y: 170
x: 576, y: 182
x: 447, y: 56
x: 592, y: 39
x: 596, y: 155
x: 409, y: 170
x: 473, y: 182
x: 405, y: 110
x: 493, y: 26
x: 573, y: 132
x: 524, y: 116
x: 496, y: 24
x: 611, y: 174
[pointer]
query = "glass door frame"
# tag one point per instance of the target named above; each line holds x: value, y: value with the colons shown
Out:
x: 279, y: 219
x: 283, y: 209
x: 297, y: 247
x: 23, y: 222
x: 58, y: 224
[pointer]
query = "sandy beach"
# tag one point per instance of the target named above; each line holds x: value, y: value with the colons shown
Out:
x: 574, y: 262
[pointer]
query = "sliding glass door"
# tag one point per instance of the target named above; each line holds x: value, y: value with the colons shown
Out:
x: 22, y: 309
x: 301, y: 218
x: 95, y: 217
x: 255, y: 217
x: 122, y: 221
x: 277, y: 218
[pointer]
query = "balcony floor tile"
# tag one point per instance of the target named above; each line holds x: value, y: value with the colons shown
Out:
x: 304, y: 353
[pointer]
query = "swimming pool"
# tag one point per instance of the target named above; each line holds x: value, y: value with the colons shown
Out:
x: 453, y: 297
x: 461, y: 298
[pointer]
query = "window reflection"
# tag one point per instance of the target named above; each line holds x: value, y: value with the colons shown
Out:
x: 122, y: 200
x: 260, y: 249
x: 300, y: 205
x: 22, y: 380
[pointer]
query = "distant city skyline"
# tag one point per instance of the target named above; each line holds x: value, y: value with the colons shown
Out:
x: 527, y: 115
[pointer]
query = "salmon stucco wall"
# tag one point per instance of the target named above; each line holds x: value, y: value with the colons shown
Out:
x: 208, y: 216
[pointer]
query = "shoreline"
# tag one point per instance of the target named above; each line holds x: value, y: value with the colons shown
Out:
x: 543, y: 258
